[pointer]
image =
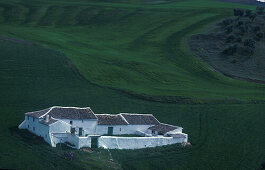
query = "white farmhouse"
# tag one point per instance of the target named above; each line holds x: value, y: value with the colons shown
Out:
x: 80, y: 127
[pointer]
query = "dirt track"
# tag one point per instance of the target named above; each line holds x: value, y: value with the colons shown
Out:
x: 15, y: 40
x: 248, y: 2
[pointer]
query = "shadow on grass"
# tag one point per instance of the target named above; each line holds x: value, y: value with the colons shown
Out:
x: 25, y: 136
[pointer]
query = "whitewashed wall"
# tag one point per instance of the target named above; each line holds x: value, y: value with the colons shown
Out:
x: 59, y: 138
x: 32, y: 123
x: 59, y: 127
x: 121, y: 129
x: 112, y: 142
x: 79, y: 142
x: 58, y: 132
x: 117, y: 129
x: 40, y: 129
x: 89, y: 126
x: 179, y: 130
x: 84, y: 142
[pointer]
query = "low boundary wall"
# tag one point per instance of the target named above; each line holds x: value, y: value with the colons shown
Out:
x: 112, y: 142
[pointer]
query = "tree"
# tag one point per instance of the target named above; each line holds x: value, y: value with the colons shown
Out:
x: 227, y: 22
x: 252, y: 16
x: 250, y: 43
x: 240, y: 23
x: 230, y: 38
x: 239, y: 40
x: 230, y: 50
x: 229, y: 29
x: 238, y: 12
x: 246, y: 51
x: 260, y: 10
x: 256, y: 29
x: 235, y: 60
x: 260, y: 35
x: 248, y: 13
x: 243, y: 29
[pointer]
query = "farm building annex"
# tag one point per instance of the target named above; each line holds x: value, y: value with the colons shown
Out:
x: 80, y: 127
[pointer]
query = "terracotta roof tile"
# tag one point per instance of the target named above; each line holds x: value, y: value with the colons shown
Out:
x: 108, y: 119
x: 163, y: 128
x: 51, y: 121
x: 140, y: 119
x: 59, y: 112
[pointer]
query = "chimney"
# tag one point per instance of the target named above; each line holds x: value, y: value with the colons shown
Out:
x: 47, y: 118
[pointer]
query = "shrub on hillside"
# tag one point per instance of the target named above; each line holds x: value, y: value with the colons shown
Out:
x: 260, y: 10
x: 239, y: 23
x: 243, y: 29
x: 238, y: 12
x: 229, y: 29
x: 260, y: 35
x: 227, y: 22
x: 250, y: 43
x: 239, y: 39
x: 231, y: 38
x: 248, y: 13
x: 245, y: 51
x: 230, y: 50
x: 256, y: 29
x: 235, y: 60
x: 252, y: 16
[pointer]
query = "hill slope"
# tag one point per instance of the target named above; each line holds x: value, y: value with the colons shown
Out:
x: 224, y: 136
x: 235, y: 46
x: 139, y: 49
x: 124, y: 48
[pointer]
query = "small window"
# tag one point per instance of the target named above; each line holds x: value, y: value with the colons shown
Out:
x: 28, y: 117
x: 82, y: 121
x: 33, y: 128
x: 153, y: 131
x: 45, y: 136
x: 120, y: 129
x: 33, y: 119
x: 71, y: 122
x: 28, y: 126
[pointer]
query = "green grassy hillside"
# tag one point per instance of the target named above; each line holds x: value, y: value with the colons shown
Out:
x: 223, y: 136
x: 119, y: 57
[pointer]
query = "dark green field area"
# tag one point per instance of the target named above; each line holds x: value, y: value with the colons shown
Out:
x: 122, y: 57
x: 235, y: 46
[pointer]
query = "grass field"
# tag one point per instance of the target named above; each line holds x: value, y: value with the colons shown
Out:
x: 137, y: 48
x: 128, y: 56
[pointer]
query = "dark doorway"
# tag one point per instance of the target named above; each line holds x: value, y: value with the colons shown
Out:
x: 72, y: 130
x: 94, y: 142
x: 110, y: 130
x: 80, y: 131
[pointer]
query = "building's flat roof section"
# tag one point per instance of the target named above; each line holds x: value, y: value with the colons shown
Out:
x: 163, y: 128
x: 108, y: 119
x: 51, y: 121
x: 59, y: 112
x: 140, y: 119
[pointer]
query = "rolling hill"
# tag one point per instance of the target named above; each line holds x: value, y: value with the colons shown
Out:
x: 124, y: 56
